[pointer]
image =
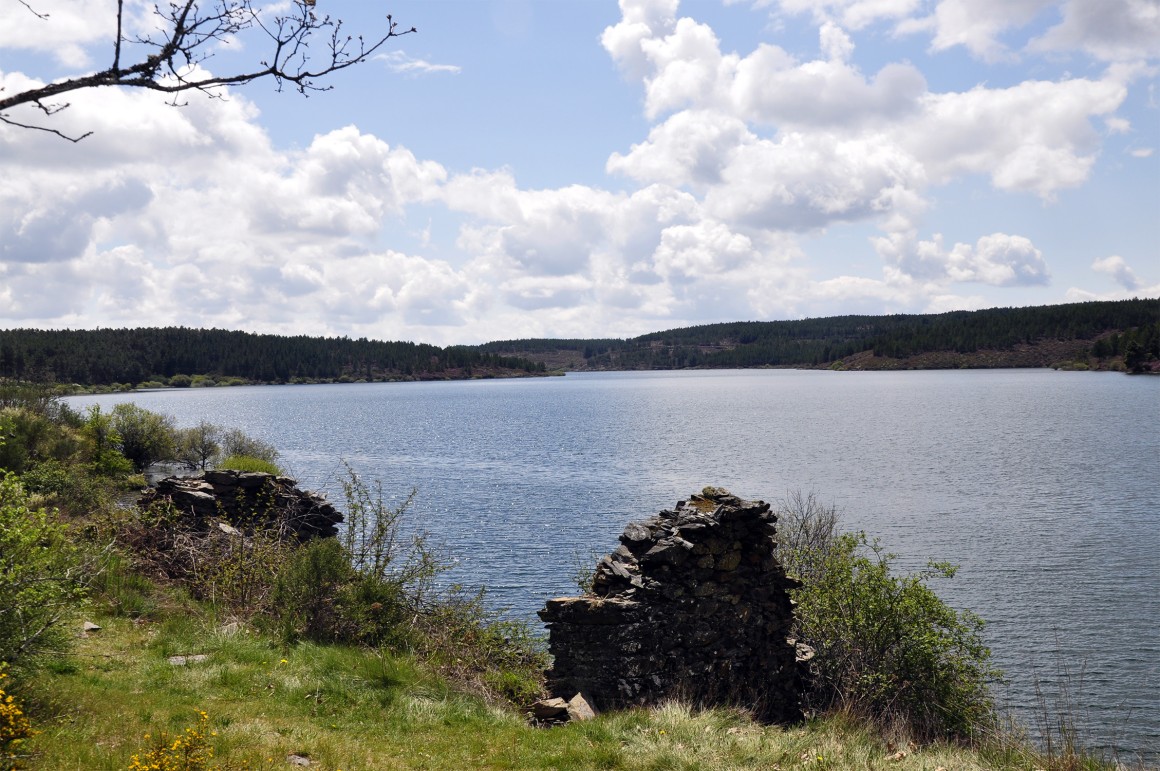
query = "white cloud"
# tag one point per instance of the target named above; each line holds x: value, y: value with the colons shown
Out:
x: 1111, y: 30
x: 979, y: 24
x: 773, y: 89
x: 347, y: 182
x: 1115, y: 267
x: 853, y: 14
x: 836, y: 45
x: 1036, y: 136
x: 60, y: 28
x: 399, y: 61
x: 690, y: 148
x: 641, y: 20
x: 998, y: 259
x: 804, y: 181
x: 688, y: 69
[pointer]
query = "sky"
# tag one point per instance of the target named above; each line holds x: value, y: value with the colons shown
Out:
x: 551, y: 168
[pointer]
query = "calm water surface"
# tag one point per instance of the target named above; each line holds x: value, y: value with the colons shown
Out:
x: 1043, y: 486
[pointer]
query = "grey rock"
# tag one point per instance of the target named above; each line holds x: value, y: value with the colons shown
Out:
x: 550, y: 709
x: 580, y: 709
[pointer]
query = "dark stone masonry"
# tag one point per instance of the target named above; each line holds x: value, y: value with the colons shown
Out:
x: 247, y: 499
x: 692, y: 605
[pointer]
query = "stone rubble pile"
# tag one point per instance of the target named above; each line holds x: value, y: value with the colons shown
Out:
x: 692, y: 605
x: 248, y: 499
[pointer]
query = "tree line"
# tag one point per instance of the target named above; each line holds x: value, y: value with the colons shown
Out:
x: 1126, y: 328
x: 183, y: 356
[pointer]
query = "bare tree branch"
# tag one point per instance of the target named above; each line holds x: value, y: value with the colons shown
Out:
x: 171, y: 56
x: 10, y: 122
x: 32, y: 10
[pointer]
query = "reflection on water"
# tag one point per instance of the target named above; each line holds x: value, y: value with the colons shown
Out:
x: 1043, y: 486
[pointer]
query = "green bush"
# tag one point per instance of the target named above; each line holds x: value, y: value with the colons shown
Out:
x: 382, y: 545
x: 146, y: 437
x: 887, y: 647
x: 360, y: 587
x: 103, y: 445
x: 42, y: 575
x: 235, y: 442
x: 374, y: 585
x: 200, y: 445
x: 250, y: 464
x: 68, y: 487
x: 28, y: 436
x: 15, y: 728
x: 306, y: 592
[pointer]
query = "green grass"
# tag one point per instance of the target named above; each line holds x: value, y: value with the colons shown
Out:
x: 351, y: 709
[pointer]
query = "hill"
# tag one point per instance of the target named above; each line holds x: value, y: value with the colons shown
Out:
x: 180, y: 356
x: 1108, y: 335
x: 1121, y: 335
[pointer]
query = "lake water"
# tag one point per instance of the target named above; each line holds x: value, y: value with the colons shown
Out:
x: 1043, y: 486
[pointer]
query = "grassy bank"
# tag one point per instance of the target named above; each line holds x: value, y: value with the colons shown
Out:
x: 144, y: 680
x: 352, y: 709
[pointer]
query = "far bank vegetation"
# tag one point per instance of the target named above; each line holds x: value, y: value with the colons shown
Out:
x: 1108, y: 335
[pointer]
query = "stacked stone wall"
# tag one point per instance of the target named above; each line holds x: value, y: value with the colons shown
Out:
x: 248, y: 499
x: 692, y: 605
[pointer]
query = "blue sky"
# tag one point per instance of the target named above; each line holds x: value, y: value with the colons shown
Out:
x: 525, y: 168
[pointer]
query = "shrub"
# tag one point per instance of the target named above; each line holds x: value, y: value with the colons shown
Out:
x: 362, y: 586
x: 71, y: 488
x: 380, y: 543
x: 307, y: 589
x: 233, y: 572
x: 198, y: 446
x: 187, y: 751
x: 28, y: 437
x: 103, y: 445
x: 249, y: 463
x: 887, y: 647
x: 374, y: 585
x: 235, y: 442
x: 43, y: 398
x: 15, y: 727
x: 146, y: 437
x: 41, y: 574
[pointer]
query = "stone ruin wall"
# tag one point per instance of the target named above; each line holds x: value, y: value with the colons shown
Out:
x: 692, y: 605
x: 245, y: 500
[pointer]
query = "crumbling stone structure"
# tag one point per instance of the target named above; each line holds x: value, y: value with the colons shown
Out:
x: 692, y: 605
x: 247, y: 499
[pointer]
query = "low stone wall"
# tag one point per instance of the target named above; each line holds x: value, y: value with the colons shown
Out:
x: 248, y: 499
x: 693, y: 605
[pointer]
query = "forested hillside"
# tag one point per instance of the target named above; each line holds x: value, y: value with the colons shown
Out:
x: 1114, y: 335
x: 1091, y: 333
x: 181, y: 356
